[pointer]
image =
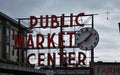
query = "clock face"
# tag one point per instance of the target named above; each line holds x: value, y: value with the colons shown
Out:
x: 87, y: 38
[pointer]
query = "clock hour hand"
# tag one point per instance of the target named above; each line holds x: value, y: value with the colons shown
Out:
x: 85, y: 39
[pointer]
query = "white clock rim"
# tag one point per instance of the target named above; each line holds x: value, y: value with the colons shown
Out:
x: 92, y: 29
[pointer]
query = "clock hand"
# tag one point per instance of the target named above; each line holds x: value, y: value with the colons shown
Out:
x: 85, y: 39
x: 88, y: 36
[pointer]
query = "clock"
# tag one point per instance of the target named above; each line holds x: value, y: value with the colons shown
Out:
x: 86, y: 38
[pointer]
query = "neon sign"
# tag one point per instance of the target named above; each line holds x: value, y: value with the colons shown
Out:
x: 53, y: 23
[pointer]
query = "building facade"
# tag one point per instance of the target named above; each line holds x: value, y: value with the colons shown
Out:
x: 8, y: 29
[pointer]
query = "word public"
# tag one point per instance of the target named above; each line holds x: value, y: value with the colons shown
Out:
x: 53, y: 23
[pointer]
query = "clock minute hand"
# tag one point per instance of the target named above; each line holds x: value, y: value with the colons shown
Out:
x: 85, y: 39
x: 88, y: 36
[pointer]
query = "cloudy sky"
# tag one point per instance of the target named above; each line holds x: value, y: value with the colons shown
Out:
x: 106, y: 24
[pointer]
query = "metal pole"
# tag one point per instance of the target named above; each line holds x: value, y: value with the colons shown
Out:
x: 18, y: 36
x: 61, y: 44
x: 92, y: 52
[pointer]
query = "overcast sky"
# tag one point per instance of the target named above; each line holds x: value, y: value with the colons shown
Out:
x: 108, y: 48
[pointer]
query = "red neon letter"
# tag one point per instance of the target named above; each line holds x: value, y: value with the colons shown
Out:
x: 71, y: 20
x: 104, y: 70
x: 71, y: 57
x: 70, y: 33
x: 33, y: 23
x: 50, y: 40
x: 80, y: 54
x: 41, y: 22
x: 98, y: 70
x: 62, y: 58
x: 51, y: 59
x: 40, y: 59
x: 19, y: 42
x: 28, y: 57
x: 30, y: 42
x: 110, y: 70
x: 39, y: 43
x: 54, y: 21
x: 77, y: 21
